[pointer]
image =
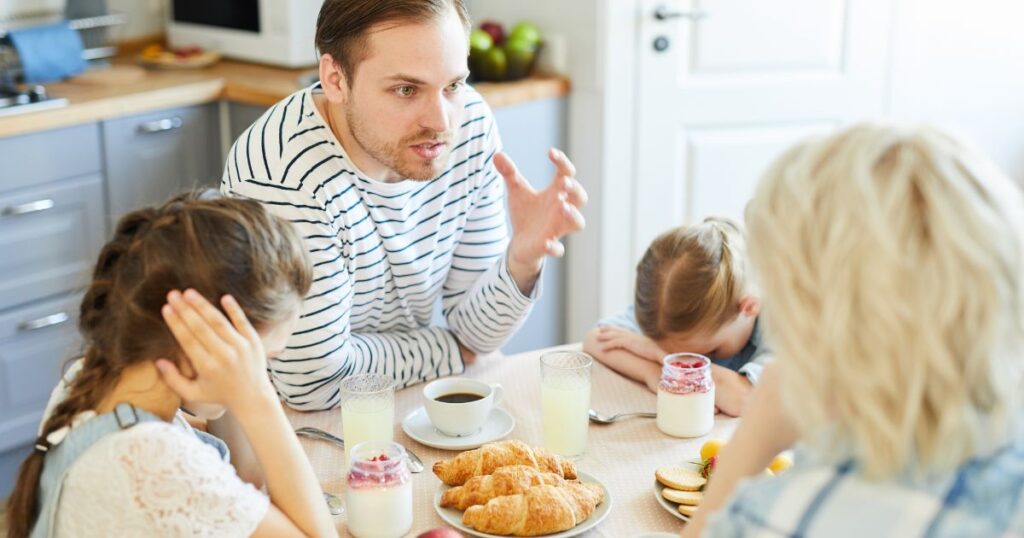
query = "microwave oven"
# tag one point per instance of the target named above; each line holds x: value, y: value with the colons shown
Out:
x: 278, y: 32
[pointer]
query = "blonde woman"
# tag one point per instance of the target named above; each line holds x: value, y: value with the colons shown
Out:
x: 692, y: 295
x: 891, y: 264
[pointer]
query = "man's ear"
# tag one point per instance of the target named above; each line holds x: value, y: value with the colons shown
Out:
x: 750, y: 306
x: 333, y: 80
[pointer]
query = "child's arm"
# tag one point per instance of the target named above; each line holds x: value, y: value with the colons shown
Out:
x: 764, y: 432
x: 624, y: 362
x: 243, y: 457
x: 230, y: 366
x: 732, y: 390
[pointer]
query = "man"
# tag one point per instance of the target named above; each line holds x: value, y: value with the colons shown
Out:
x: 390, y: 167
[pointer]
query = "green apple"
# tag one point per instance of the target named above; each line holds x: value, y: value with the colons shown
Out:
x: 480, y: 40
x: 492, y: 64
x: 520, y: 53
x: 526, y: 31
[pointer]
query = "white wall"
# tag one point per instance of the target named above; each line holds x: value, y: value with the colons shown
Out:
x: 145, y: 17
x: 960, y: 66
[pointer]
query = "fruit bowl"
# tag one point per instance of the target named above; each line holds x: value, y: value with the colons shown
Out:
x: 497, y: 57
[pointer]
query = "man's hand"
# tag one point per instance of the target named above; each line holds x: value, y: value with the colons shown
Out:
x: 610, y: 338
x: 540, y: 219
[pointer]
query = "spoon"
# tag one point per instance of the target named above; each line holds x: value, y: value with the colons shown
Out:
x: 415, y: 463
x: 334, y: 504
x: 608, y: 419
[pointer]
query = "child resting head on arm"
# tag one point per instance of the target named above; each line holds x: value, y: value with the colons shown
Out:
x: 693, y: 294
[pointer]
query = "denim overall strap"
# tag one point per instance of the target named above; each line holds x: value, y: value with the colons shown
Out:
x: 60, y: 457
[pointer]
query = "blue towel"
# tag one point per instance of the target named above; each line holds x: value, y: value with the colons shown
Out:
x: 48, y: 53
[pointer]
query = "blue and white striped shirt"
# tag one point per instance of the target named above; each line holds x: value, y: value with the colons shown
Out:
x: 980, y: 499
x: 382, y: 252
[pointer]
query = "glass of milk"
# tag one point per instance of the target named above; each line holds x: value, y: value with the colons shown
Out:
x: 565, y: 401
x: 367, y: 410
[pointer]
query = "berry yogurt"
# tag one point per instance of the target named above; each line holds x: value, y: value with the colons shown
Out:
x: 379, y: 494
x: 686, y: 396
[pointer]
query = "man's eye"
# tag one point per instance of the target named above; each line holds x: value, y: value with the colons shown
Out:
x: 405, y: 91
x: 454, y: 87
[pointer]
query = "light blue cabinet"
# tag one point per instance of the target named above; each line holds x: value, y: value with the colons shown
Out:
x: 528, y: 130
x: 150, y: 157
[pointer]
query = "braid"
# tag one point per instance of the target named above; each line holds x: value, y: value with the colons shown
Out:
x: 231, y: 245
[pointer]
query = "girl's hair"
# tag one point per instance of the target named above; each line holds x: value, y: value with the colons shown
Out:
x: 891, y: 266
x: 691, y: 278
x: 214, y: 245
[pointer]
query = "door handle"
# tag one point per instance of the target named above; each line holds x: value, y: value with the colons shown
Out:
x: 663, y: 13
x: 25, y: 209
x: 160, y: 126
x: 44, y: 322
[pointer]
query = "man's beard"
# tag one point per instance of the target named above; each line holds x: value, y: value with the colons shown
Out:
x: 395, y: 156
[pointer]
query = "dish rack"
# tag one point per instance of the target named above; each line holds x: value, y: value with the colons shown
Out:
x: 10, y: 66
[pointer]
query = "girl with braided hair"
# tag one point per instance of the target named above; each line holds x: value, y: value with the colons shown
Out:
x: 693, y: 294
x: 114, y: 457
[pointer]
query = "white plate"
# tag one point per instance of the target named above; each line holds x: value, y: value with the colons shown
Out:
x: 453, y: 517
x: 417, y: 425
x: 665, y: 503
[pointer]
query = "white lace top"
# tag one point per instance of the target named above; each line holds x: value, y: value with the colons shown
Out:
x: 156, y: 479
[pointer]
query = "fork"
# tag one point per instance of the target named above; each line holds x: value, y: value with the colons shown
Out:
x: 608, y: 419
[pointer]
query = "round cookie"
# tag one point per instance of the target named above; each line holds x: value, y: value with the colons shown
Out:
x: 687, y: 510
x: 691, y: 498
x: 680, y: 478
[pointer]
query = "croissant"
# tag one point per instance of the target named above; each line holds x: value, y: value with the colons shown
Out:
x: 541, y: 510
x: 504, y: 481
x: 487, y: 458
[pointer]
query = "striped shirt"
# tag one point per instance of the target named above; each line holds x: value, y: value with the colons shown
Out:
x: 383, y: 253
x: 980, y: 499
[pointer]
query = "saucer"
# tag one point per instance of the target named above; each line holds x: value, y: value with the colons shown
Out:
x: 417, y: 425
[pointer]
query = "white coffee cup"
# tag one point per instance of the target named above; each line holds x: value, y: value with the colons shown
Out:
x: 462, y: 414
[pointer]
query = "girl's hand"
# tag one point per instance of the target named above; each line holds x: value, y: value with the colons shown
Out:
x: 228, y: 358
x: 611, y: 338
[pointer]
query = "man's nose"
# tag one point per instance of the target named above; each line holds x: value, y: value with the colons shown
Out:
x: 435, y: 114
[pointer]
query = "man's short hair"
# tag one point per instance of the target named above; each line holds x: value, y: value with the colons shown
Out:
x: 342, y: 26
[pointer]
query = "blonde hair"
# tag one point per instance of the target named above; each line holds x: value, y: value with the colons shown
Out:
x: 691, y: 278
x: 890, y: 264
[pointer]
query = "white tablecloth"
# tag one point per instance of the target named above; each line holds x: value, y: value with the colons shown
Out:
x: 623, y: 455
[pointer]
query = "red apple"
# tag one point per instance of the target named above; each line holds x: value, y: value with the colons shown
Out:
x: 496, y: 31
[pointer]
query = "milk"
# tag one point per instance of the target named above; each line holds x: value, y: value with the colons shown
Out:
x: 384, y: 512
x: 686, y: 415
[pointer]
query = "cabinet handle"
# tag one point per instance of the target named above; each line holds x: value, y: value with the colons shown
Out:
x: 44, y: 322
x: 24, y: 209
x: 159, y: 126
x: 662, y: 13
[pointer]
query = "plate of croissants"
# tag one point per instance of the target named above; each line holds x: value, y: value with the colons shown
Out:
x: 509, y: 488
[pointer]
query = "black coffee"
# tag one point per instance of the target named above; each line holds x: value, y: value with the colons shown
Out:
x: 459, y: 397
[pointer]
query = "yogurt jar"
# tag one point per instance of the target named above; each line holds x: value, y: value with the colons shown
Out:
x: 379, y: 494
x: 686, y: 396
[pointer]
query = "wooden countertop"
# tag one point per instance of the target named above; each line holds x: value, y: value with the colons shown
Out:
x: 234, y: 81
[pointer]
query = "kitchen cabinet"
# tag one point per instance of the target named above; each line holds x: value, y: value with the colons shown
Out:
x: 151, y: 156
x: 51, y: 229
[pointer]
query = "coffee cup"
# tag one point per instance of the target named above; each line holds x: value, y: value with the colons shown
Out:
x: 458, y: 406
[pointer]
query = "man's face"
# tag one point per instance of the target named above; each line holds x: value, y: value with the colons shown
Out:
x: 405, y: 101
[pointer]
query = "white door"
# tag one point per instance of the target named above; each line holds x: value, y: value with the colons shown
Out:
x: 724, y: 86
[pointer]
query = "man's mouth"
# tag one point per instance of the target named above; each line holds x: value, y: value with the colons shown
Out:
x: 429, y: 150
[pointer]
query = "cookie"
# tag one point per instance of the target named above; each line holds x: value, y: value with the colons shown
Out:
x: 681, y: 478
x: 690, y: 498
x: 687, y: 510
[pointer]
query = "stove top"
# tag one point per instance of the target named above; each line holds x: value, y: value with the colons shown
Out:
x: 14, y: 101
